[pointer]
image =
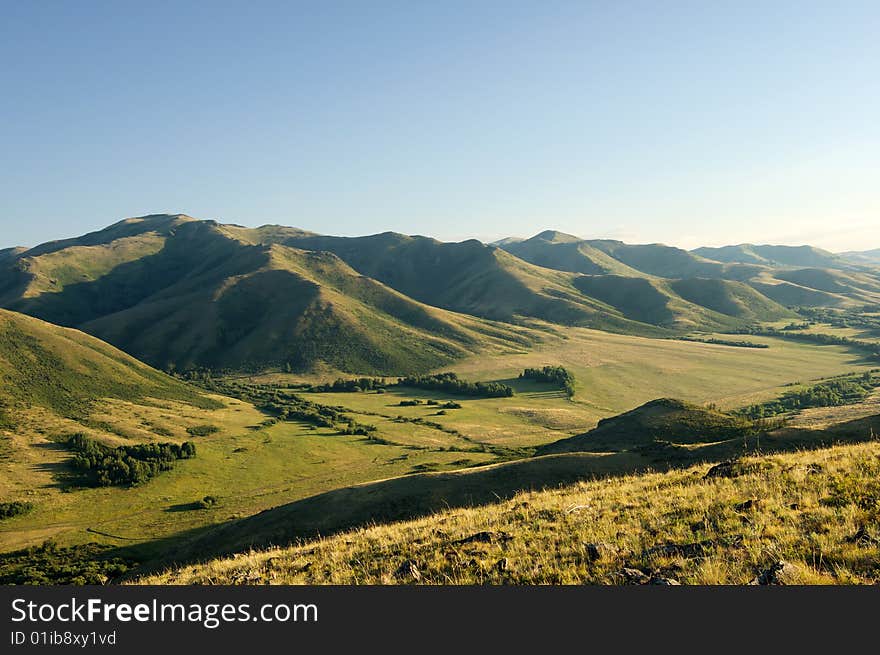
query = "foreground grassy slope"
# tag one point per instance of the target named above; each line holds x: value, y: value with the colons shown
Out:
x: 805, y: 518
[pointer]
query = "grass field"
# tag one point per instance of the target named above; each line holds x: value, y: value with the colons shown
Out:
x: 248, y: 469
x: 615, y: 373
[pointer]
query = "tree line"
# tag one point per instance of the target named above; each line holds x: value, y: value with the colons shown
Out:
x: 831, y: 393
x: 451, y: 383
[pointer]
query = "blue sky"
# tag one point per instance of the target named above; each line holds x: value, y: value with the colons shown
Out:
x: 683, y: 122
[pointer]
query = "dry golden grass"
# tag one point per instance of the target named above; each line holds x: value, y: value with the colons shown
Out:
x: 817, y: 511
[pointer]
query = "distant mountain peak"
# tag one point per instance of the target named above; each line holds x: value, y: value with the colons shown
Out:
x: 555, y: 236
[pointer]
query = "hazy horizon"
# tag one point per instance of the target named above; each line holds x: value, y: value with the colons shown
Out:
x: 687, y: 124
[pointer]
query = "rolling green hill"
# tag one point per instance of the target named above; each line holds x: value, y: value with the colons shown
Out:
x: 664, y: 419
x: 467, y: 277
x: 214, y: 300
x: 566, y: 253
x: 864, y: 258
x: 64, y: 371
x: 532, y: 279
x: 729, y: 297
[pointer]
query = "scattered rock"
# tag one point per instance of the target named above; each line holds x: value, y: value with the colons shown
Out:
x: 408, y: 570
x: 502, y: 565
x: 668, y: 582
x: 634, y: 576
x: 485, y: 537
x: 779, y: 573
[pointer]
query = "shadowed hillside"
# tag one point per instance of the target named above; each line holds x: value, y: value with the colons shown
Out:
x: 212, y: 300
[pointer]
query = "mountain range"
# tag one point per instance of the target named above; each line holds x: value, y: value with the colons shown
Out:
x: 181, y: 293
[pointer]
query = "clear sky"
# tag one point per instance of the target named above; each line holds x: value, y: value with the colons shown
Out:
x: 689, y: 123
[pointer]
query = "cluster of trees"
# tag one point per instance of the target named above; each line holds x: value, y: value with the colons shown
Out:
x: 356, y: 384
x: 106, y: 466
x: 841, y: 391
x: 725, y: 342
x: 15, y: 508
x: 451, y: 383
x: 558, y: 375
x: 843, y: 318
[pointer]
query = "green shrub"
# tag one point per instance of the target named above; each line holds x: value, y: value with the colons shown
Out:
x: 15, y: 508
x: 202, y: 430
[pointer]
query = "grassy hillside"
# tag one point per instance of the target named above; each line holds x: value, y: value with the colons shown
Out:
x: 731, y: 298
x: 804, y: 518
x: 65, y: 371
x: 860, y: 286
x: 467, y: 277
x: 213, y: 300
x: 566, y: 253
x: 275, y: 298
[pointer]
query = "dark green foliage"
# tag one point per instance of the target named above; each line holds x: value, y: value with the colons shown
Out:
x: 725, y: 342
x: 410, y: 403
x: 556, y: 375
x: 451, y: 405
x: 88, y: 564
x: 831, y: 393
x: 104, y: 466
x: 450, y: 383
x: 15, y: 508
x: 343, y: 385
x: 202, y: 430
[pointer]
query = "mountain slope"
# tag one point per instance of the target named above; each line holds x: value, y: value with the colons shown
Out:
x: 213, y: 300
x: 768, y: 255
x: 64, y: 371
x: 550, y: 250
x: 467, y: 277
